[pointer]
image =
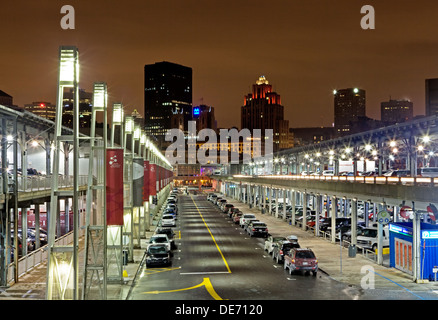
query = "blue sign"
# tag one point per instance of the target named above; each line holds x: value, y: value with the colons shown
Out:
x: 429, y: 234
x: 400, y: 229
x: 196, y: 111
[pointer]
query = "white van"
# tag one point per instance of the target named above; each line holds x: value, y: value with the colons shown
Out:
x: 367, y: 239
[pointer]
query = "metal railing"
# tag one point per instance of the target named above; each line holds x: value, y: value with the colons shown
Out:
x: 431, y: 181
x: 36, y: 257
x: 40, y: 183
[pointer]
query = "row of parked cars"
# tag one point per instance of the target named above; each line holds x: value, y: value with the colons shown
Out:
x: 159, y: 251
x: 284, y: 250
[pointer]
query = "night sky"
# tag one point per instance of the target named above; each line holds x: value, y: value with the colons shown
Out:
x: 304, y: 48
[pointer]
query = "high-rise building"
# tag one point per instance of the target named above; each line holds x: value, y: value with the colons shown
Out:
x: 85, y: 108
x: 431, y: 97
x: 43, y: 109
x: 167, y: 90
x: 262, y: 109
x: 204, y: 117
x: 5, y: 99
x: 396, y: 111
x: 349, y: 105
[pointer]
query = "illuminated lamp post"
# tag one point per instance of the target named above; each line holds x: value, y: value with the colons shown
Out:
x: 62, y: 271
x: 128, y: 245
x: 95, y: 262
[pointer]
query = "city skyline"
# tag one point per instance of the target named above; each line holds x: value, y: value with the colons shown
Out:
x: 306, y: 50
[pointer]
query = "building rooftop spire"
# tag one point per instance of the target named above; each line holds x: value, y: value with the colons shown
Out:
x: 262, y: 80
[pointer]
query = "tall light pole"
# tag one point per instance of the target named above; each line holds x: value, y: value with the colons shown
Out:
x: 62, y: 271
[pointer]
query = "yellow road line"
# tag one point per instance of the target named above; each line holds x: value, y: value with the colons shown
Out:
x: 206, y: 282
x: 214, y: 240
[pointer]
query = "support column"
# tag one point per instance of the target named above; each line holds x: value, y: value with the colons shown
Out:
x: 305, y: 202
x: 352, y: 251
x: 293, y: 197
x: 284, y: 204
x: 333, y: 216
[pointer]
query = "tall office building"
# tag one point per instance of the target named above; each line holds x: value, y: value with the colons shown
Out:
x: 262, y: 109
x: 85, y: 108
x: 5, y: 99
x: 349, y: 105
x: 167, y: 90
x: 396, y: 111
x: 204, y: 117
x: 431, y: 97
x: 42, y: 109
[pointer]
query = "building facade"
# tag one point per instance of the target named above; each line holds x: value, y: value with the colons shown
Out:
x: 204, y: 117
x: 43, y: 109
x: 263, y: 110
x: 396, y: 111
x: 431, y: 97
x: 167, y: 91
x: 349, y: 105
x: 85, y: 108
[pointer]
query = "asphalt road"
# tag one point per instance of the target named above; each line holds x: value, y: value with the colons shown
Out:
x: 216, y: 260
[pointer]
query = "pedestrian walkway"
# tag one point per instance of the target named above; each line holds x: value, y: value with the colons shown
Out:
x: 334, y: 260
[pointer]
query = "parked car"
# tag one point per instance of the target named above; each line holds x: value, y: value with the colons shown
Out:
x: 221, y: 202
x: 300, y: 259
x: 257, y: 228
x: 160, y: 239
x: 232, y: 211
x: 428, y: 172
x: 328, y: 173
x: 168, y: 220
x: 368, y: 239
x: 158, y: 255
x: 236, y: 217
x: 216, y: 200
x: 169, y: 211
x: 281, y: 248
x: 170, y: 235
x: 270, y: 242
x: 326, y: 223
x: 346, y: 232
x: 247, y: 223
x: 172, y: 206
x: 227, y: 207
x: 398, y: 173
x: 245, y: 217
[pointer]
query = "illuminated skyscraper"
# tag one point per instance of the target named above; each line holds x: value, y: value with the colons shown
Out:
x: 167, y: 90
x: 262, y: 109
x: 349, y: 105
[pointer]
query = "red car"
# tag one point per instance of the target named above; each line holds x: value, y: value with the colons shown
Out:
x: 300, y: 259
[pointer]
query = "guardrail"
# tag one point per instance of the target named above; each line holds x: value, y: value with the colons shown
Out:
x: 431, y: 181
x: 39, y: 183
x: 36, y: 257
x: 366, y: 253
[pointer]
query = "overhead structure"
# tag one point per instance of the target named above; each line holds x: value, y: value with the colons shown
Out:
x: 95, y: 262
x: 62, y: 271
